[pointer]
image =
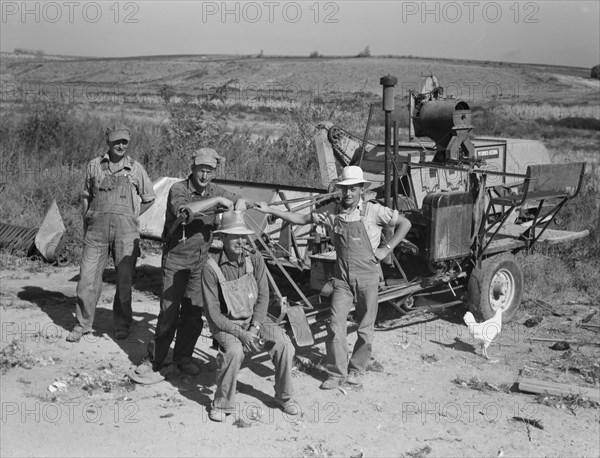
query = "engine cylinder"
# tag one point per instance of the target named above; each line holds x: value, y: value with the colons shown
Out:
x: 437, y: 119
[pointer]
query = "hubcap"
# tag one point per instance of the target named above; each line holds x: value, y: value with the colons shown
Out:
x: 502, y: 290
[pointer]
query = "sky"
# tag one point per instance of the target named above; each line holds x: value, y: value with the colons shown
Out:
x: 545, y: 32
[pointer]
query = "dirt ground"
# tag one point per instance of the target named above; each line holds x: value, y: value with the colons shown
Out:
x: 428, y: 392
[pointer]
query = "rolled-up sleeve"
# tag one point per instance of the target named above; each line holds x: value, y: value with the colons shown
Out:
x: 146, y: 187
x: 386, y: 216
x: 88, y: 184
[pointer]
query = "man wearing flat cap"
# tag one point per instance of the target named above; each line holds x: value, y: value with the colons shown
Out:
x: 117, y: 190
x: 356, y: 228
x: 188, y: 232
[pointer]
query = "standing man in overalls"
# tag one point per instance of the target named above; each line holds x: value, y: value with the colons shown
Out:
x: 235, y: 291
x: 356, y: 228
x: 117, y: 190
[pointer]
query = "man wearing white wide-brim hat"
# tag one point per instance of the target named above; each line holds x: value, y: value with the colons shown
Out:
x: 356, y: 228
x: 235, y: 293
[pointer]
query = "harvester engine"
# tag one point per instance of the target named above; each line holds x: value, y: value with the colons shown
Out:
x: 446, y: 121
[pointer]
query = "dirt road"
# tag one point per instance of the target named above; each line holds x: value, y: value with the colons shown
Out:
x: 428, y: 390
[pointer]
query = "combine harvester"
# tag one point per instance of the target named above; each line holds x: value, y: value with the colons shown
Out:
x: 474, y: 202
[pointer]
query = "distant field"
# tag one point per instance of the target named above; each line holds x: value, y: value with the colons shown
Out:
x: 293, y: 79
x: 262, y: 114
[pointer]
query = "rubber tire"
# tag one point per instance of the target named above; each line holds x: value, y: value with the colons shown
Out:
x: 501, y: 269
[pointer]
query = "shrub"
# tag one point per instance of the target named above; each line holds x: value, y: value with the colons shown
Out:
x: 365, y: 52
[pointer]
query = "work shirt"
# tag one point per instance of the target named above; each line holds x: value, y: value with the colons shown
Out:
x: 376, y: 216
x: 198, y: 233
x: 128, y: 167
x: 214, y: 304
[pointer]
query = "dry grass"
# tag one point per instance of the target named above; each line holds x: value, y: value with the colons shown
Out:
x: 475, y: 383
x: 571, y: 402
x: 16, y: 355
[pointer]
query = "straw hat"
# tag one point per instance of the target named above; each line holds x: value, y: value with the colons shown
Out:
x: 232, y: 222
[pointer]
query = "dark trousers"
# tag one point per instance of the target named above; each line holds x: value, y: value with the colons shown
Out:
x: 180, y: 310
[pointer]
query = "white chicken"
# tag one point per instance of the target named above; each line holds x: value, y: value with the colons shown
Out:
x: 484, y: 332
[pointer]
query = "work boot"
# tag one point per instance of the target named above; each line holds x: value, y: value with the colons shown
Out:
x: 217, y: 415
x: 76, y: 334
x: 188, y: 368
x: 121, y: 331
x: 331, y: 383
x: 289, y: 406
x: 353, y: 378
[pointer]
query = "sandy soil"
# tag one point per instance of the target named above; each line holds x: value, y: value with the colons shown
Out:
x: 417, y: 399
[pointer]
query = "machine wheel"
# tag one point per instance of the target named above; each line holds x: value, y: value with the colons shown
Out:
x: 498, y: 284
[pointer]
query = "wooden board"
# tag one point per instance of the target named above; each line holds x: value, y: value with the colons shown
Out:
x: 559, y: 389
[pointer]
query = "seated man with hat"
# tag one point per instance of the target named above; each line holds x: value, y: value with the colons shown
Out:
x: 187, y: 237
x: 356, y: 228
x: 235, y: 293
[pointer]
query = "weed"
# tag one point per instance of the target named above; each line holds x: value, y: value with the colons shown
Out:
x: 476, y: 383
x: 316, y: 450
x: 16, y: 355
x: 418, y: 453
x: 570, y: 401
x: 432, y: 358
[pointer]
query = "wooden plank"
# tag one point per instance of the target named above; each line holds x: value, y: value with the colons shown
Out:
x: 559, y: 389
x: 554, y: 236
x: 544, y: 339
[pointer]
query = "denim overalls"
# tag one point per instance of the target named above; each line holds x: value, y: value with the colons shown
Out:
x: 355, y: 280
x: 111, y: 225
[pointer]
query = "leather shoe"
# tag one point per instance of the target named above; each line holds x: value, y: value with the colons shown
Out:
x: 289, y: 406
x: 217, y: 415
x: 331, y: 383
x: 353, y: 378
x: 189, y: 368
x: 121, y: 334
x: 76, y: 334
